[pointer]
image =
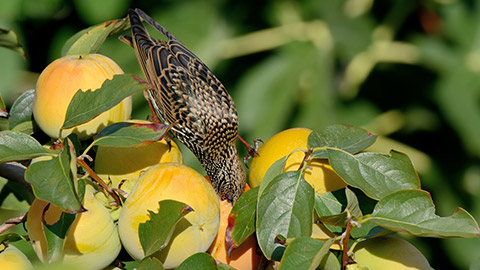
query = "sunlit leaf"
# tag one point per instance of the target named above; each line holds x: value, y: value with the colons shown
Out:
x: 368, y: 229
x: 22, y: 109
x: 273, y: 171
x: 91, y: 39
x: 55, y: 236
x: 9, y: 39
x: 304, y: 253
x: 348, y: 138
x: 375, y: 174
x: 124, y: 134
x: 89, y: 104
x: 413, y: 211
x: 285, y: 208
x: 53, y: 181
x: 155, y: 233
x: 330, y: 261
x: 241, y: 221
x: 200, y: 261
x: 353, y: 206
x: 19, y: 146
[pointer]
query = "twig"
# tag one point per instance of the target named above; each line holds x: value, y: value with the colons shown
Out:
x: 12, y: 222
x: 99, y: 180
x: 14, y: 171
x: 307, y: 155
x: 346, y: 236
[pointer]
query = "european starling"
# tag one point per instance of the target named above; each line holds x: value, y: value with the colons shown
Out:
x: 188, y: 96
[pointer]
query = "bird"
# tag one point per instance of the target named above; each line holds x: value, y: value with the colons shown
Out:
x: 185, y: 94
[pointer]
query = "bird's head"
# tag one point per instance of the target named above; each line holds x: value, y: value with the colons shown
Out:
x: 227, y: 174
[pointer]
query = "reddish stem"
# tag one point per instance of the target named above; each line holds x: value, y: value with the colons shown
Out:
x: 99, y: 180
x: 307, y: 155
x: 345, y: 243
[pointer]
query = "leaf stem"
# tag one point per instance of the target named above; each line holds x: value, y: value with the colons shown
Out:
x: 346, y: 236
x: 305, y: 158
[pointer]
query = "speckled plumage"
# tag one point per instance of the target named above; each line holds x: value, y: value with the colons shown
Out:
x: 189, y: 96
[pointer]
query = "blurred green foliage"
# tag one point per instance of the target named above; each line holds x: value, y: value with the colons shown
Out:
x: 408, y: 70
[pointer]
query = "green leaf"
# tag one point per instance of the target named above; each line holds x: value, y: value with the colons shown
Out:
x: 89, y: 40
x: 22, y: 109
x: 285, y: 207
x: 53, y: 181
x: 89, y: 104
x: 9, y: 40
x: 304, y: 253
x: 12, y: 237
x: 368, y: 229
x: 275, y: 169
x: 126, y: 134
x: 352, y: 204
x: 375, y: 174
x: 19, y: 146
x: 330, y: 203
x: 149, y: 263
x: 413, y: 211
x: 330, y: 261
x: 330, y: 209
x: 348, y: 138
x: 200, y: 261
x: 241, y: 221
x: 55, y: 235
x: 155, y: 233
x: 24, y: 127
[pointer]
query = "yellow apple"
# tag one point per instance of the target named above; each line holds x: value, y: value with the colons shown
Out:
x: 171, y: 181
x: 243, y: 257
x: 117, y: 164
x: 319, y: 173
x: 59, y: 82
x: 388, y: 253
x: 12, y: 258
x: 92, y: 240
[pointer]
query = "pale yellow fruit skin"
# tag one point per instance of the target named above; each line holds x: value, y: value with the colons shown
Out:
x: 59, y: 82
x: 172, y: 181
x: 12, y: 258
x: 114, y: 164
x: 321, y: 175
x: 92, y: 241
x: 388, y: 253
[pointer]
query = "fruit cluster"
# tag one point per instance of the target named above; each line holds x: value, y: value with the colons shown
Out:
x: 150, y: 172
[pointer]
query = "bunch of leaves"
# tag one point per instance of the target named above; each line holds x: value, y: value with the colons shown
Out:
x: 383, y: 196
